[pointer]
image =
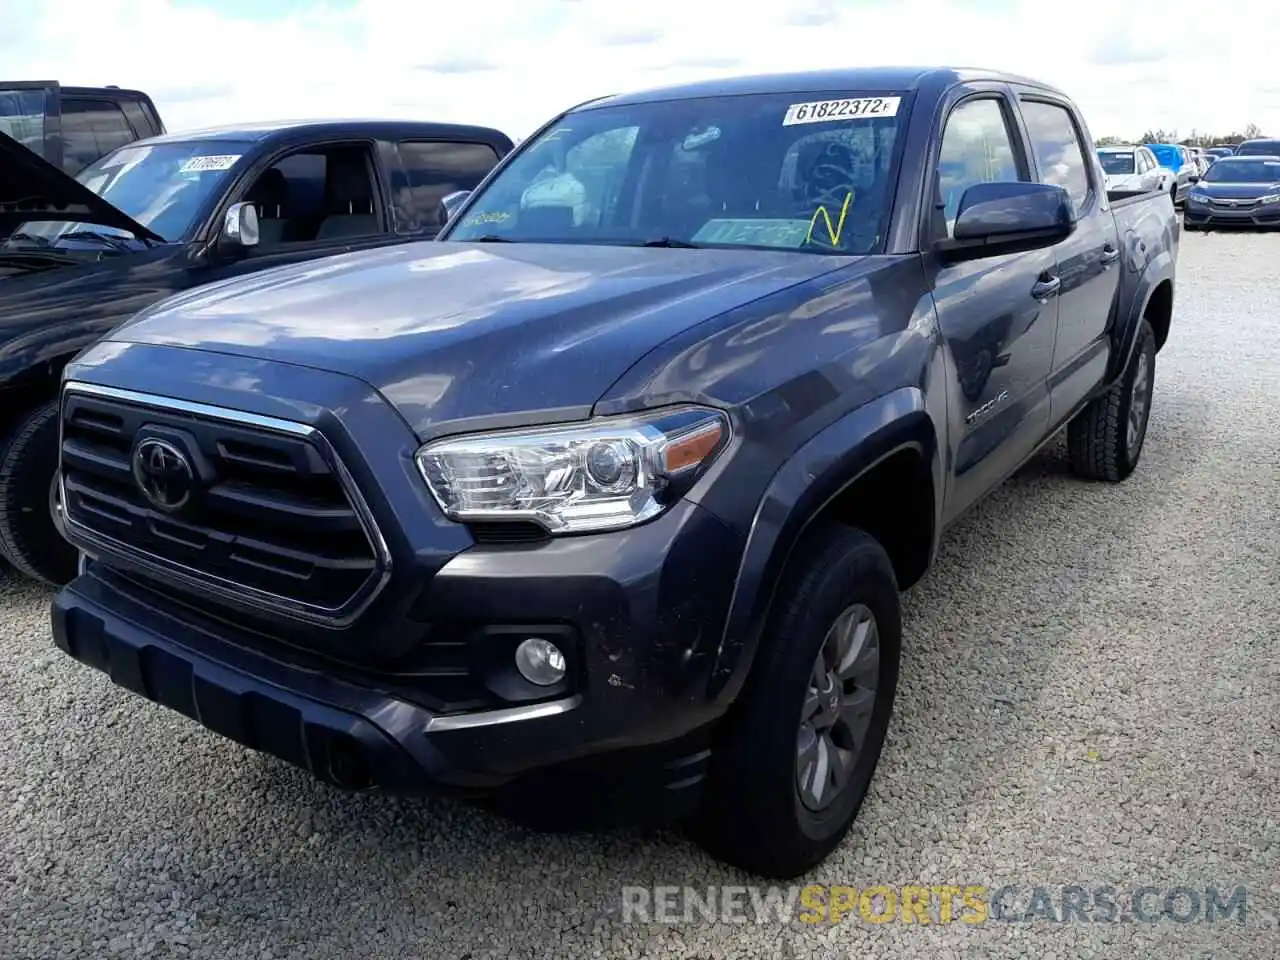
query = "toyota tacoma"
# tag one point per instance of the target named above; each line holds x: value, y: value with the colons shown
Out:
x: 600, y: 504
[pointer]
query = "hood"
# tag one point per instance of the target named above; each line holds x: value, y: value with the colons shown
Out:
x: 1237, y: 191
x: 449, y: 331
x: 31, y: 188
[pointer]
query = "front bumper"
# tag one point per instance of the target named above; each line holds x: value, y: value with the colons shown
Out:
x: 641, y: 706
x: 1204, y: 215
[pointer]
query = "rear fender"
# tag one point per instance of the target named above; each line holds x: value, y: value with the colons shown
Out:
x: 810, y: 480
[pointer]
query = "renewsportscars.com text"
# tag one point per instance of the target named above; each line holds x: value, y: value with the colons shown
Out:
x: 926, y: 904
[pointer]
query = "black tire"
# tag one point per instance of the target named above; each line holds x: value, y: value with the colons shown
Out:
x: 29, y: 538
x: 1098, y: 438
x: 752, y: 814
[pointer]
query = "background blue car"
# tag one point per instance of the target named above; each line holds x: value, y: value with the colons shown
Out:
x: 1174, y: 158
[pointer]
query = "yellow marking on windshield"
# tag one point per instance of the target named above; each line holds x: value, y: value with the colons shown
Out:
x: 833, y: 232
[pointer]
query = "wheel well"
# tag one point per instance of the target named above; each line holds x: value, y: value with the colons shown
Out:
x: 31, y: 392
x: 1159, y: 312
x: 893, y: 502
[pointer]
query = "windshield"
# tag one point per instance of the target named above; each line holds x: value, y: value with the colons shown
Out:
x: 1113, y: 162
x: 788, y: 172
x: 1243, y: 171
x: 162, y: 186
x: 1259, y: 148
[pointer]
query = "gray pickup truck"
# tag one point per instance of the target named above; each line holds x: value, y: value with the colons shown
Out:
x: 601, y: 503
x: 71, y: 127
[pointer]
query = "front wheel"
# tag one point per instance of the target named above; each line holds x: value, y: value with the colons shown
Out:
x: 29, y: 536
x: 801, y: 745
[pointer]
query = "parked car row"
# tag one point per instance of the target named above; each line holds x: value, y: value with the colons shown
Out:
x: 1218, y: 186
x: 596, y: 505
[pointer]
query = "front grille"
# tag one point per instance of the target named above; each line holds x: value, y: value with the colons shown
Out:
x: 272, y: 518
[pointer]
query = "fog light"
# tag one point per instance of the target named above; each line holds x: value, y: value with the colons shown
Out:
x: 540, y: 661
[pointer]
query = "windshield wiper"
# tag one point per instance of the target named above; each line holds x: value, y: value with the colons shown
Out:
x: 492, y: 238
x: 28, y: 237
x: 116, y: 243
x: 673, y: 243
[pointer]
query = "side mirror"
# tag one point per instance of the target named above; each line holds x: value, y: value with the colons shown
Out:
x: 240, y: 227
x: 1194, y: 178
x: 452, y: 202
x: 1008, y: 217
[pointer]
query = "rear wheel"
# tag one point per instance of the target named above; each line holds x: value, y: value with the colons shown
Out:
x: 799, y: 750
x: 29, y: 536
x: 1105, y: 439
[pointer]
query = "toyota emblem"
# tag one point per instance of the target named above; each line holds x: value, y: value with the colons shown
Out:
x: 163, y: 474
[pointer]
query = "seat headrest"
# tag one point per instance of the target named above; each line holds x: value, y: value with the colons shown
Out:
x: 270, y: 193
x: 347, y: 186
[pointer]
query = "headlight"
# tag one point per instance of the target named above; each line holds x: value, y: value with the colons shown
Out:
x: 1198, y: 197
x: 1270, y: 198
x: 603, y: 474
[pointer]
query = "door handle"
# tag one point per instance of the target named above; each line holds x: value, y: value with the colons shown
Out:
x: 1109, y: 255
x: 1046, y: 288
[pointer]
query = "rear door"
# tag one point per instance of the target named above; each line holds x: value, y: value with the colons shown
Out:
x: 30, y: 113
x: 998, y: 314
x: 1088, y: 260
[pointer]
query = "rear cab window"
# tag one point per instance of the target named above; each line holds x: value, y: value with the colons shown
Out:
x: 91, y: 129
x: 433, y: 169
x: 811, y: 172
x: 1056, y: 144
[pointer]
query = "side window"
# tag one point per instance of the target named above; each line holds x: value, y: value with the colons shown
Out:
x: 91, y: 129
x: 976, y: 148
x: 316, y: 194
x: 434, y: 170
x: 1057, y: 148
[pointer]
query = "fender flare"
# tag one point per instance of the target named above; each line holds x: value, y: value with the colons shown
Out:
x: 812, y: 478
x: 1160, y: 269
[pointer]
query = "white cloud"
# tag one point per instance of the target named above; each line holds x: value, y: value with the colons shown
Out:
x: 514, y: 63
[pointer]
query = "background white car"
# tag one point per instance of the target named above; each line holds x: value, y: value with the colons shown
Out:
x: 1132, y: 168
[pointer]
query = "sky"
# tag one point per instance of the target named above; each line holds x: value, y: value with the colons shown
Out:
x: 514, y: 64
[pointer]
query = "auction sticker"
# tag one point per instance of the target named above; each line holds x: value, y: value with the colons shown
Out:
x: 201, y: 164
x: 824, y: 111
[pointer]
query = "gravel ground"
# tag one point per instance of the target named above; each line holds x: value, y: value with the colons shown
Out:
x: 1089, y: 697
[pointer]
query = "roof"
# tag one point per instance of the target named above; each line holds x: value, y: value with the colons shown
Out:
x: 1119, y: 147
x: 902, y: 79
x: 263, y: 131
x: 121, y: 93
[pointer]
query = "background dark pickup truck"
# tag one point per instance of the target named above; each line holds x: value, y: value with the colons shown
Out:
x: 616, y: 486
x: 173, y: 212
x: 71, y: 127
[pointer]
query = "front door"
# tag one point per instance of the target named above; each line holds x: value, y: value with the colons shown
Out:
x: 314, y: 202
x: 998, y: 315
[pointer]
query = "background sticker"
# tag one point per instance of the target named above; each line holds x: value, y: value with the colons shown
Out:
x: 198, y: 164
x: 823, y: 111
x: 759, y: 233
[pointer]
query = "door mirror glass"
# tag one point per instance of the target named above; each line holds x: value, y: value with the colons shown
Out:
x: 452, y: 202
x: 1005, y: 217
x: 240, y: 228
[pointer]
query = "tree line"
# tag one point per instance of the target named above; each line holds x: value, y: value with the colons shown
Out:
x: 1193, y: 139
